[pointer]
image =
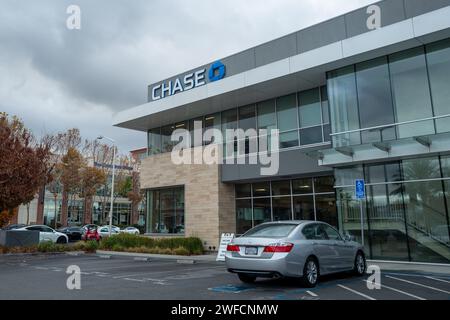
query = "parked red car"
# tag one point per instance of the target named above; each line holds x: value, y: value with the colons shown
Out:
x: 91, y: 234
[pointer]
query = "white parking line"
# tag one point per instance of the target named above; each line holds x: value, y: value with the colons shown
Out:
x: 399, y: 291
x: 356, y: 292
x: 135, y: 280
x: 312, y: 294
x: 437, y: 279
x: 419, y: 284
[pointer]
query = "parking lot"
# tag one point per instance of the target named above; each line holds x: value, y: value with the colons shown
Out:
x: 44, y: 277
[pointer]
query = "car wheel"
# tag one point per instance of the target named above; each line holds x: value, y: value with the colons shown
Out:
x: 246, y: 278
x: 360, y: 264
x: 310, y: 272
x: 61, y: 240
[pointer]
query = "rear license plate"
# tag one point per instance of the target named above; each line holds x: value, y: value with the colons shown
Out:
x: 251, y: 251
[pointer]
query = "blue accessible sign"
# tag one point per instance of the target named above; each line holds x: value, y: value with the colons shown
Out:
x: 360, y: 189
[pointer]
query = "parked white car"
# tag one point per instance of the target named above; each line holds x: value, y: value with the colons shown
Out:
x: 104, y: 231
x: 130, y: 230
x: 47, y: 234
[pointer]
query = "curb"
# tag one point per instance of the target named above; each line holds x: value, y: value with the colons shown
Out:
x: 142, y: 256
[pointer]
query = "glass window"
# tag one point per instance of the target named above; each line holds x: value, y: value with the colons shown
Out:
x: 422, y: 168
x: 287, y: 120
x: 288, y: 140
x: 262, y: 210
x: 229, y: 121
x: 445, y: 163
x: 310, y: 108
x: 375, y: 99
x: 267, y: 119
x: 154, y: 141
x: 247, y: 121
x: 311, y: 135
x: 282, y: 209
x: 324, y: 184
x: 438, y: 57
x: 243, y: 190
x: 347, y: 176
x: 332, y: 234
x: 314, y: 231
x: 325, y: 105
x: 266, y: 115
x: 304, y: 208
x: 196, y: 131
x: 247, y: 117
x: 272, y: 231
x: 302, y: 186
x: 343, y: 105
x: 243, y: 215
x: 212, y: 121
x: 326, y: 209
x: 261, y: 189
x: 281, y: 188
x: 425, y: 218
x: 166, y: 138
x: 411, y: 92
x: 165, y: 211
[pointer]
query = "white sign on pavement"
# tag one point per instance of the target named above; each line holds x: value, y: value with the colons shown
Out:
x: 224, y: 241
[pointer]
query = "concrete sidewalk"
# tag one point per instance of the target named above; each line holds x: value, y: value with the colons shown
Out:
x: 201, y: 258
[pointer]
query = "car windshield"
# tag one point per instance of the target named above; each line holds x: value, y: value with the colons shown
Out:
x: 271, y: 231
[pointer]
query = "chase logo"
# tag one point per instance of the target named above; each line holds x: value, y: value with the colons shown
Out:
x: 217, y: 71
x: 188, y: 81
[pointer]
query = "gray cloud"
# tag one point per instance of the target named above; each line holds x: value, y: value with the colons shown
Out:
x: 55, y: 78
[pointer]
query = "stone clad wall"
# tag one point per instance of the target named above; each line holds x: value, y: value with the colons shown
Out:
x: 209, y: 204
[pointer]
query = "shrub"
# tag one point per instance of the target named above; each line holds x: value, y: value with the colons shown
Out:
x: 49, y: 246
x: 91, y: 246
x: 181, y: 251
x: 136, y: 243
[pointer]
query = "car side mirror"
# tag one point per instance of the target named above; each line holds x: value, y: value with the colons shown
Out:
x: 348, y: 237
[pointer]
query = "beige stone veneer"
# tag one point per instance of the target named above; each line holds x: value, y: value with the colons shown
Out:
x: 209, y: 204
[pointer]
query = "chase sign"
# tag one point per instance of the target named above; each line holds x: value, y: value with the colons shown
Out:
x: 189, y: 81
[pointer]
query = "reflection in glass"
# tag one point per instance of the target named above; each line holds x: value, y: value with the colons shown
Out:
x: 302, y: 186
x: 243, y: 215
x: 262, y: 210
x: 375, y: 99
x: 281, y: 188
x: 411, y: 92
x: 282, y: 209
x: 438, y: 58
x: 304, y: 208
x: 343, y: 106
x: 326, y: 209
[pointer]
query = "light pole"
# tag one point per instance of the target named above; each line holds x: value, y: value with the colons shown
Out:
x: 112, y: 181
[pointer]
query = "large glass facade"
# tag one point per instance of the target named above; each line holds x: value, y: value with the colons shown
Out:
x: 397, y: 96
x: 165, y: 213
x: 301, y: 199
x: 405, y: 212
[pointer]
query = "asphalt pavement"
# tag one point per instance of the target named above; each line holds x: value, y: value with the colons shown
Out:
x: 103, y: 277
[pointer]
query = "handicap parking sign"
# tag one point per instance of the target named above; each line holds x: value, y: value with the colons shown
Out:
x: 360, y: 189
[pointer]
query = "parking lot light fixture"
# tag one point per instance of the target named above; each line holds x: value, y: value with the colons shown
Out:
x: 112, y: 181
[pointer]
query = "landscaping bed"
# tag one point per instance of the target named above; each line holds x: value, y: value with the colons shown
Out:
x: 119, y: 243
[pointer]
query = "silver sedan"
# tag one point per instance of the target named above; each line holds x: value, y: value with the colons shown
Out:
x: 301, y: 249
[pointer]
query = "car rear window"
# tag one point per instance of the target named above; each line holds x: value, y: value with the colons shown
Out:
x: 271, y: 231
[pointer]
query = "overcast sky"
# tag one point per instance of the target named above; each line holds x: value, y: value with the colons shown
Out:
x: 55, y: 78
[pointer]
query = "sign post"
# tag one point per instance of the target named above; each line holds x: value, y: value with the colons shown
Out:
x: 360, y: 193
x: 224, y: 241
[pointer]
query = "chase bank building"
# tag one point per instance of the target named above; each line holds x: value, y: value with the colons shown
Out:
x: 365, y: 96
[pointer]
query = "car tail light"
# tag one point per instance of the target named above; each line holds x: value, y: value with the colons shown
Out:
x: 279, y: 247
x: 233, y: 248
